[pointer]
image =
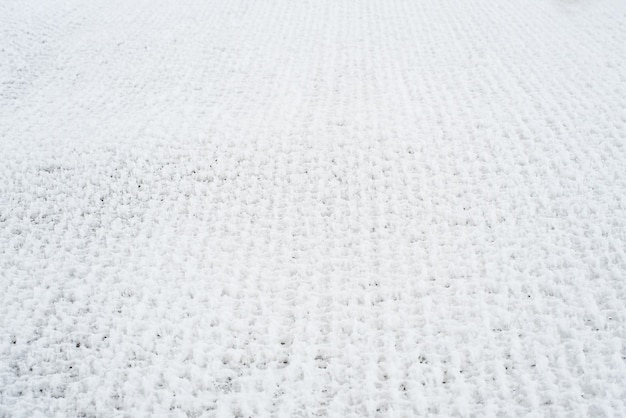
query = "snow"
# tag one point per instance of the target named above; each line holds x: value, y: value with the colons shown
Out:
x: 301, y: 208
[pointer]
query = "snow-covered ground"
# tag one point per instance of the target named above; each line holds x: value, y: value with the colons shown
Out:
x: 322, y: 207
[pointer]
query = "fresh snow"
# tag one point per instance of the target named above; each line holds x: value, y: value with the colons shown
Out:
x: 312, y: 208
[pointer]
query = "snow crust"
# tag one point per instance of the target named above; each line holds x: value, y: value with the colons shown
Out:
x: 312, y: 208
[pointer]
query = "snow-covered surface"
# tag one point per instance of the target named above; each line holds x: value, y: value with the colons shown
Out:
x: 300, y: 208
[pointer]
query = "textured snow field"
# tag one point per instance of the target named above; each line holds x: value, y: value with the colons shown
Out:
x: 312, y: 208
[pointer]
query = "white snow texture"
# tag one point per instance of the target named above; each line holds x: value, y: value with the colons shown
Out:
x: 312, y: 208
